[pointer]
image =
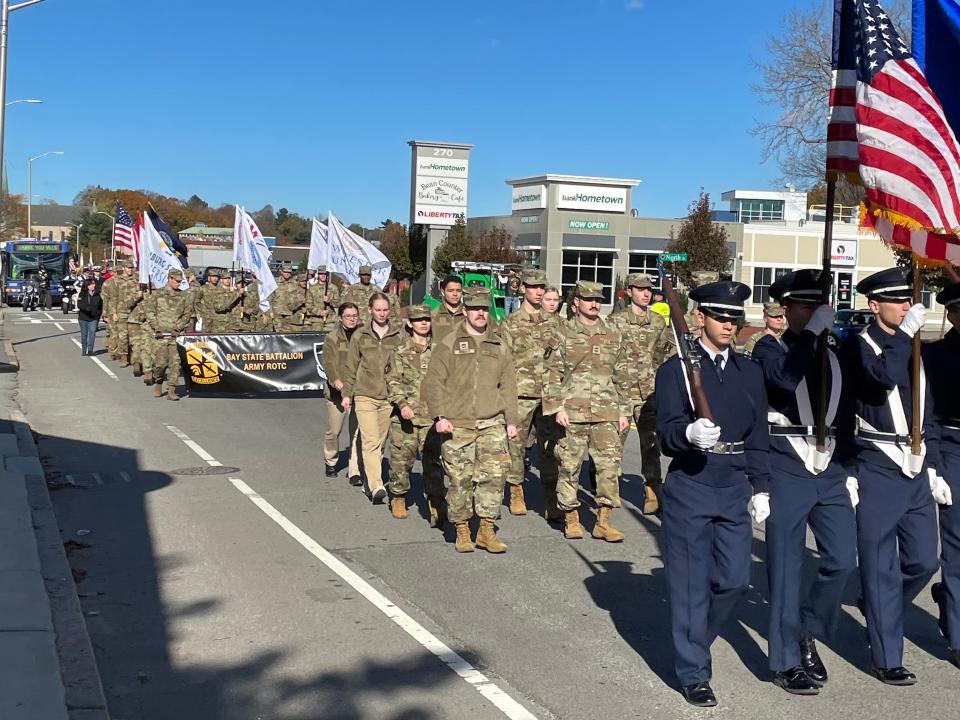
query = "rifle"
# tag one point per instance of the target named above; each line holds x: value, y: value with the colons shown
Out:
x: 823, y: 349
x: 686, y: 349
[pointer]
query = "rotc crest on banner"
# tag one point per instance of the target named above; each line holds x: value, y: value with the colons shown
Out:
x: 202, y: 363
x: 318, y: 356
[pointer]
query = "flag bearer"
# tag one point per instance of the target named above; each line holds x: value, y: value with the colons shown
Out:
x: 806, y: 486
x: 718, y: 470
x: 168, y: 315
x: 940, y: 360
x: 360, y: 293
x: 896, y: 520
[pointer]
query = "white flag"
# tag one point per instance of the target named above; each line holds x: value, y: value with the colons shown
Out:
x: 348, y: 251
x: 252, y: 254
x: 156, y: 257
x: 319, y: 250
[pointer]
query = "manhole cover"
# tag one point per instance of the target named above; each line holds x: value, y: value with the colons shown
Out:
x: 206, y: 470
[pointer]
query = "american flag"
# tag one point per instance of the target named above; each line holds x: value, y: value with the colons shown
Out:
x: 123, y: 231
x: 887, y: 132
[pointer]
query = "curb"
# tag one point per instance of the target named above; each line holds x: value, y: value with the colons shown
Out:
x: 83, y: 691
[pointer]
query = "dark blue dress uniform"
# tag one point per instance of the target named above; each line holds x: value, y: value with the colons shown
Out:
x: 804, y: 489
x: 940, y: 360
x: 896, y: 520
x: 707, y: 529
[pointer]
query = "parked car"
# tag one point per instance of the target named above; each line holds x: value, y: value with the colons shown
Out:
x: 848, y: 323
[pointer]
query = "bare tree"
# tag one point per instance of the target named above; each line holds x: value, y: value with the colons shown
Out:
x: 794, y: 78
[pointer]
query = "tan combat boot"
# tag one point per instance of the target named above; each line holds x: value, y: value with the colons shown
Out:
x: 137, y: 370
x: 603, y: 530
x: 464, y: 543
x: 517, y: 504
x: 398, y: 507
x: 158, y: 388
x: 172, y: 392
x: 438, y: 514
x: 487, y: 537
x: 124, y: 360
x: 551, y: 513
x: 651, y: 503
x: 572, y: 529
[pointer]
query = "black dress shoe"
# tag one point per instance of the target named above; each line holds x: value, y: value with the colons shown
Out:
x: 331, y: 471
x: 810, y: 660
x: 936, y: 592
x: 356, y: 480
x: 895, y: 676
x: 796, y: 681
x: 699, y: 695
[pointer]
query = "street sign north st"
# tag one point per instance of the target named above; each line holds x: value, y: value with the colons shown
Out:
x: 673, y: 257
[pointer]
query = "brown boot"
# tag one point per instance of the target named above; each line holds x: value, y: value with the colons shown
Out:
x: 464, y: 543
x: 172, y: 392
x: 517, y: 504
x: 603, y: 530
x: 147, y: 379
x: 438, y: 513
x: 398, y: 507
x: 551, y: 513
x: 487, y: 537
x: 137, y: 370
x: 651, y: 503
x: 124, y: 361
x: 572, y: 529
x: 158, y: 388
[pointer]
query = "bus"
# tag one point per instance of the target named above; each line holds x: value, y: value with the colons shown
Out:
x: 20, y: 260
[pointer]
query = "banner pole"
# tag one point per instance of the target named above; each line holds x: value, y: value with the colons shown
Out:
x: 917, y: 421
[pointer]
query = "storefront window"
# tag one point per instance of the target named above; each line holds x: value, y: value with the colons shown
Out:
x: 588, y: 265
x: 646, y: 263
x: 763, y: 278
x: 531, y: 256
x: 760, y: 210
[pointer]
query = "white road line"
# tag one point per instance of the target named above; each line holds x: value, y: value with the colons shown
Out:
x: 76, y: 342
x: 60, y: 327
x: 103, y: 367
x: 204, y: 455
x: 492, y: 692
x: 49, y: 316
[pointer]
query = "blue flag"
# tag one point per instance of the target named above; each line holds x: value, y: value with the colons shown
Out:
x: 936, y: 48
x: 169, y: 236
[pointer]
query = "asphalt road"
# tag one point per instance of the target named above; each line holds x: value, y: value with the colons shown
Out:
x: 269, y: 591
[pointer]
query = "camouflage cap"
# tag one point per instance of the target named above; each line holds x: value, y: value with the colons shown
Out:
x: 365, y: 270
x: 126, y: 263
x: 419, y: 312
x: 320, y: 269
x: 175, y: 275
x: 773, y: 309
x: 586, y: 290
x: 703, y: 277
x: 534, y: 277
x: 286, y: 266
x: 476, y: 297
x: 639, y: 280
x: 214, y: 272
x: 302, y: 277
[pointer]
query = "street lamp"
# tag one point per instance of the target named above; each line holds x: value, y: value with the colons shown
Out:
x: 31, y: 101
x: 5, y: 9
x: 113, y: 250
x: 79, y: 259
x: 30, y: 187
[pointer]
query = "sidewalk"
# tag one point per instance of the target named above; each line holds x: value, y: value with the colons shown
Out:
x: 41, y: 625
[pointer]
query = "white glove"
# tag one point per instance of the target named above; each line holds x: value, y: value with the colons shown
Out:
x: 759, y: 507
x: 703, y: 433
x: 821, y: 319
x: 914, y: 319
x: 939, y: 488
x: 853, y: 488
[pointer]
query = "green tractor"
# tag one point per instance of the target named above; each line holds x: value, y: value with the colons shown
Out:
x: 495, y: 276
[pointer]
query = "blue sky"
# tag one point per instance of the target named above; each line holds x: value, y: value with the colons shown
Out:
x: 309, y: 105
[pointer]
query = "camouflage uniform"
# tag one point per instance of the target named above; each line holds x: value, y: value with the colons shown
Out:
x: 108, y: 291
x: 127, y: 295
x: 216, y: 304
x: 168, y: 315
x: 647, y: 344
x: 588, y: 380
x: 245, y: 316
x: 472, y: 383
x: 770, y: 309
x: 526, y: 336
x: 407, y: 437
x: 359, y: 294
x: 290, y: 304
x: 444, y: 321
x: 316, y: 309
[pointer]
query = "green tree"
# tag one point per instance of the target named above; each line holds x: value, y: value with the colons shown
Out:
x: 96, y: 235
x: 395, y: 244
x: 456, y: 246
x: 494, y: 246
x: 13, y: 217
x: 703, y: 240
x: 357, y: 229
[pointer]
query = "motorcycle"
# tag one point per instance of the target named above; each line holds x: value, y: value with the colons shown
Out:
x: 68, y: 296
x: 30, y: 296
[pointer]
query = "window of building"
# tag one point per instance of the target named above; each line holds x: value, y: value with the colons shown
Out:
x: 531, y: 256
x: 760, y: 210
x: 646, y: 263
x: 588, y: 265
x: 763, y: 278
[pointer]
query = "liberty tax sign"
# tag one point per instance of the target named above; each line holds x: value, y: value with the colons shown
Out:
x: 843, y: 253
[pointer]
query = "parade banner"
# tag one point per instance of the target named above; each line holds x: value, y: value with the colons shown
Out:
x: 252, y: 363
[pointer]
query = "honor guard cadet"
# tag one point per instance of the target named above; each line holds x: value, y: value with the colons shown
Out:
x: 718, y: 478
x: 940, y: 361
x: 470, y: 390
x: 774, y: 324
x: 648, y: 344
x: 168, y: 314
x: 585, y: 388
x: 526, y: 332
x: 449, y: 314
x: 896, y: 519
x: 806, y: 486
x: 360, y: 293
x: 411, y: 424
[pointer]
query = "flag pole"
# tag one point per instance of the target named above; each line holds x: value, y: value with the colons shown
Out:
x: 917, y: 421
x: 823, y: 347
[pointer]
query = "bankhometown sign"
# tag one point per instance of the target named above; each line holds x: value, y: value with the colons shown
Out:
x: 592, y: 197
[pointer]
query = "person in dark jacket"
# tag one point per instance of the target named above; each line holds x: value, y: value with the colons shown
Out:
x: 90, y: 308
x: 44, y: 280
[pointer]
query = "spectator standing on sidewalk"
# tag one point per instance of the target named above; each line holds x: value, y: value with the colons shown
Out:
x: 90, y: 308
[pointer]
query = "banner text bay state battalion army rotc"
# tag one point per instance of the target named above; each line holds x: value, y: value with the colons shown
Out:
x: 467, y: 397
